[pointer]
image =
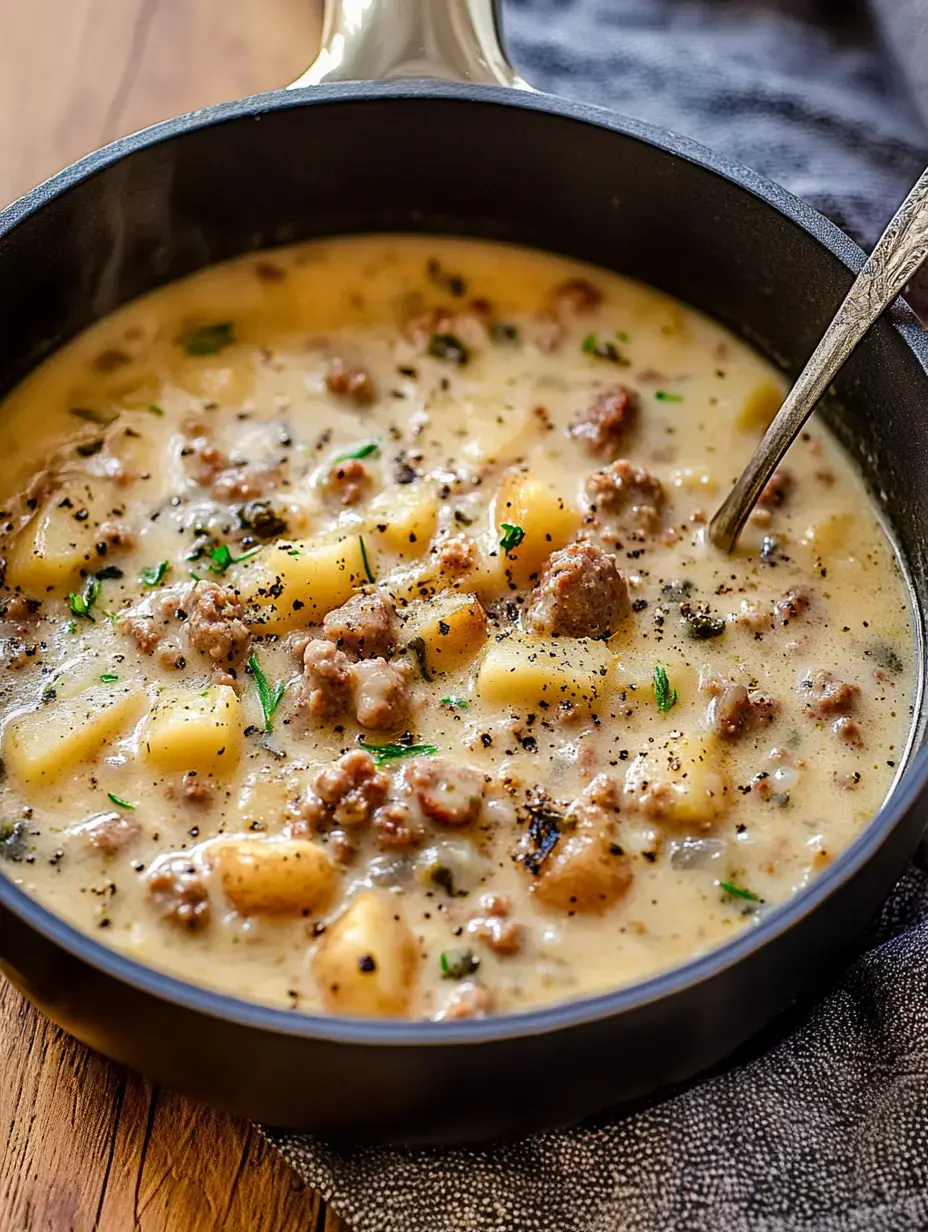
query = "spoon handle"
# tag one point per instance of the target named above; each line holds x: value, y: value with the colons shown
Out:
x: 901, y: 250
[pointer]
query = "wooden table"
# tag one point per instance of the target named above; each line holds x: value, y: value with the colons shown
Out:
x: 86, y: 1144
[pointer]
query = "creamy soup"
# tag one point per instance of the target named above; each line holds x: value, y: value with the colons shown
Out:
x: 365, y: 650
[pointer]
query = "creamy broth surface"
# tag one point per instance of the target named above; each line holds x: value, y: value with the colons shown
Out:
x: 490, y: 471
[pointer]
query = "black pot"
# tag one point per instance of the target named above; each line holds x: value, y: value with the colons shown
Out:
x: 479, y: 160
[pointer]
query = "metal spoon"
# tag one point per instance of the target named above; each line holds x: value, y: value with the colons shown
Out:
x: 901, y: 250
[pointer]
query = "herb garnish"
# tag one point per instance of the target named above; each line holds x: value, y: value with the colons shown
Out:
x: 363, y: 450
x: 109, y: 678
x: 80, y: 605
x: 383, y: 753
x: 455, y: 703
x: 367, y: 564
x: 155, y: 410
x: 448, y: 347
x: 512, y: 537
x: 738, y: 892
x: 208, y: 339
x: 269, y: 697
x: 663, y: 396
x: 221, y: 558
x: 120, y: 802
x: 602, y: 348
x: 151, y: 575
x: 458, y: 965
x: 664, y: 695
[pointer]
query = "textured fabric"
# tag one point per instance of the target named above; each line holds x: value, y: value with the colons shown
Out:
x: 824, y: 1126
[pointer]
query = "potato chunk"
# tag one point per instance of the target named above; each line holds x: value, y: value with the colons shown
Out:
x: 41, y: 745
x: 274, y: 876
x: 56, y: 547
x: 548, y: 519
x: 402, y: 519
x: 293, y: 585
x: 684, y: 783
x: 191, y: 729
x: 760, y: 406
x: 366, y: 961
x: 447, y: 630
x: 539, y: 671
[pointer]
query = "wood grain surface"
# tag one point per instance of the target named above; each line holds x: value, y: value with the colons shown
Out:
x: 85, y: 1144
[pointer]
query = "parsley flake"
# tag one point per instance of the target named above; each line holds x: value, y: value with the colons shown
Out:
x: 664, y: 695
x: 512, y: 537
x: 364, y: 450
x: 151, y: 575
x: 383, y: 753
x: 367, y: 564
x: 80, y: 605
x: 119, y: 802
x: 221, y: 558
x: 270, y: 697
x: 109, y: 678
x: 663, y: 396
x: 738, y: 892
x: 208, y: 339
x: 455, y: 703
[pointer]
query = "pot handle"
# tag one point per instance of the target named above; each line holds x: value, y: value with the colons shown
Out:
x: 381, y: 40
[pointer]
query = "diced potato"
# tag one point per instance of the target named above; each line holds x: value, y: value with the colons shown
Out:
x: 830, y: 535
x: 366, y: 961
x: 42, y: 744
x: 452, y: 628
x: 402, y: 519
x: 293, y: 585
x: 56, y: 548
x: 698, y: 479
x: 683, y: 783
x: 493, y: 432
x: 536, y: 671
x: 274, y: 876
x: 227, y: 379
x: 191, y: 729
x: 760, y: 406
x: 548, y: 519
x: 263, y: 799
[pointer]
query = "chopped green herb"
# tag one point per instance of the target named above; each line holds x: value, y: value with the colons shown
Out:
x: 663, y: 396
x: 458, y: 965
x: 221, y: 558
x: 621, y: 335
x: 72, y: 626
x: 208, y: 339
x: 360, y: 451
x: 448, y: 347
x: 155, y: 410
x: 367, y: 564
x: 120, y: 803
x: 293, y: 552
x: 738, y: 892
x: 664, y: 695
x: 196, y: 577
x: 90, y: 415
x: 109, y: 678
x: 602, y: 348
x: 80, y: 605
x: 512, y: 537
x: 383, y: 753
x: 455, y: 703
x: 151, y: 575
x: 269, y: 697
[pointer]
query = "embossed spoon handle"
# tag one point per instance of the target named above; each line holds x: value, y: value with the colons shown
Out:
x: 901, y: 250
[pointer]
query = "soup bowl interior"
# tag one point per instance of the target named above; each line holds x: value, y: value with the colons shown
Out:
x: 562, y: 177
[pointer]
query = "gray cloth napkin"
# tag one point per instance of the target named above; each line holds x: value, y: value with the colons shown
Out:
x: 823, y: 1126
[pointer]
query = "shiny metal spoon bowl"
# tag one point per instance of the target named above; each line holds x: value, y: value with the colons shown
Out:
x: 896, y: 258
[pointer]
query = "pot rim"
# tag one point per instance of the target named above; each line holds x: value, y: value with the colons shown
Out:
x: 904, y: 796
